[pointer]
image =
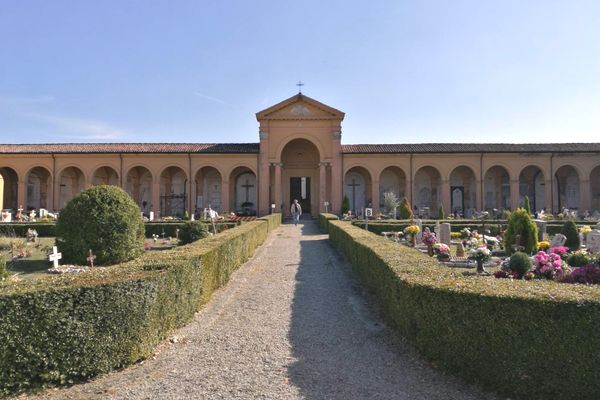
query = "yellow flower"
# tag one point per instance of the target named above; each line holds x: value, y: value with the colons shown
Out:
x: 543, y: 245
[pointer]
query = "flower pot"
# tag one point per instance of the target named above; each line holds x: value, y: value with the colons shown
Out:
x: 430, y: 250
x: 413, y: 240
x: 480, y: 266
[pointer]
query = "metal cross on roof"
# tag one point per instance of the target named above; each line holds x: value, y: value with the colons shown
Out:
x: 299, y: 84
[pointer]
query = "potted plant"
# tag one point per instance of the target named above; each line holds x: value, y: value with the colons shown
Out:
x: 411, y: 233
x: 429, y: 239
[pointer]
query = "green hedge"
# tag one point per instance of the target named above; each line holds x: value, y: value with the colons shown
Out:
x: 323, y: 221
x: 67, y: 328
x: 49, y: 229
x: 274, y: 220
x: 378, y: 227
x: 524, y: 339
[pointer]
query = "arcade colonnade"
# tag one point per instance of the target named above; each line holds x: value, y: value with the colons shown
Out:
x: 229, y: 182
x: 300, y: 156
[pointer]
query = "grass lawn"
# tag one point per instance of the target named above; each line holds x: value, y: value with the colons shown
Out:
x: 35, y: 264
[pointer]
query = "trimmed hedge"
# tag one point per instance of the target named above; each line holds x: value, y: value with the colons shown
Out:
x: 378, y: 227
x: 67, y: 328
x: 170, y: 228
x: 274, y: 220
x: 46, y: 229
x: 527, y: 339
x: 323, y: 221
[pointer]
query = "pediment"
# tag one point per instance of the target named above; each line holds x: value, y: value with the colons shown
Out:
x: 299, y: 107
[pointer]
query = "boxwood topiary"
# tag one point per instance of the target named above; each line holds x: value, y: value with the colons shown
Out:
x: 405, y: 210
x: 103, y: 219
x: 569, y: 229
x: 579, y: 259
x: 520, y: 262
x: 520, y: 224
x: 192, y: 231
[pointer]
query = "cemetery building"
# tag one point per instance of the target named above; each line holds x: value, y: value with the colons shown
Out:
x: 300, y: 155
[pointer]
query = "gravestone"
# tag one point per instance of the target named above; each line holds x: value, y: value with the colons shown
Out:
x: 43, y: 213
x: 445, y: 233
x: 419, y: 223
x: 593, y: 242
x: 541, y: 225
x: 55, y: 256
x: 558, y: 240
x: 437, y: 229
x: 6, y: 216
x: 460, y: 250
x: 151, y: 216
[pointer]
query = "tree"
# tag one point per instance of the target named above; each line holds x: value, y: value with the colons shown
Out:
x: 522, y: 226
x: 405, y: 210
x: 569, y: 229
x: 527, y: 205
x: 192, y: 231
x: 103, y: 219
x: 345, y: 205
x: 391, y: 202
x: 441, y: 213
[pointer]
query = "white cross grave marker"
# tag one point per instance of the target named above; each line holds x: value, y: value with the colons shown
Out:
x: 55, y: 256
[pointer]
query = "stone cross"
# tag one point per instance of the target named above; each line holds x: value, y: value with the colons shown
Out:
x: 247, y: 186
x: 55, y: 256
x: 91, y: 259
x: 558, y: 240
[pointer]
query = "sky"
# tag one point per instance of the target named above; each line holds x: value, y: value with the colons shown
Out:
x: 197, y: 71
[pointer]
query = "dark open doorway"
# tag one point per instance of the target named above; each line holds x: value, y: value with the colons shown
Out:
x: 300, y: 190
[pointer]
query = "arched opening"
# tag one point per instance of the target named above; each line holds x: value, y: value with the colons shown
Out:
x: 462, y: 191
x: 496, y: 188
x: 208, y: 189
x: 391, y: 180
x: 300, y: 159
x: 595, y: 191
x: 72, y: 182
x: 244, y: 191
x: 139, y: 186
x: 39, y: 188
x: 357, y: 187
x: 566, y: 188
x: 9, y: 186
x: 427, y: 192
x: 173, y: 193
x: 532, y: 184
x: 105, y: 176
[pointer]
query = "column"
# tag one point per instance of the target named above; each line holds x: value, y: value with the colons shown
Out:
x: 375, y: 196
x: 584, y: 196
x: 322, y: 186
x: 192, y: 196
x: 548, y: 197
x: 514, y: 194
x: 21, y: 191
x: 155, y: 207
x: 225, y: 206
x: 478, y: 194
x: 277, y: 194
x: 445, y: 188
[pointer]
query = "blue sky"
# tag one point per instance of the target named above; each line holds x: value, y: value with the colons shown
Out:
x: 197, y: 71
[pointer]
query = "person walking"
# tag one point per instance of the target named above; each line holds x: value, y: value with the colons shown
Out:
x: 296, y: 211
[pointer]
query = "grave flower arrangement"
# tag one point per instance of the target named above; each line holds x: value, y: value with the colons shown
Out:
x: 480, y: 255
x: 411, y: 232
x: 548, y: 265
x: 429, y: 239
x: 442, y: 251
x: 465, y: 233
x: 562, y: 251
x: 543, y: 245
x: 588, y: 274
x: 584, y: 230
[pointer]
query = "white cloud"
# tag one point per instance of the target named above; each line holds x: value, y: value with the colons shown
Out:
x: 79, y: 128
x: 209, y: 98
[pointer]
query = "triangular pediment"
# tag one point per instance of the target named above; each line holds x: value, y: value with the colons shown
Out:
x: 299, y: 107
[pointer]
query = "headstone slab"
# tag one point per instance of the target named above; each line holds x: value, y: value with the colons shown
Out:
x: 6, y: 216
x: 419, y: 223
x: 445, y: 233
x: 558, y: 240
x: 151, y: 216
x: 593, y: 241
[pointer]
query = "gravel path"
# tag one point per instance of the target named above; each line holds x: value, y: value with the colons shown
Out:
x: 291, y: 324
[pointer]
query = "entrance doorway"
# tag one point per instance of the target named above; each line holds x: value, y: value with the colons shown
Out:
x: 300, y: 190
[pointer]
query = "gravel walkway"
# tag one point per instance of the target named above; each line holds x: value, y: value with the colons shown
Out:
x: 291, y: 324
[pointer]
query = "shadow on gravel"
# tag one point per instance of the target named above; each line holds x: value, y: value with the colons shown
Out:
x: 343, y: 351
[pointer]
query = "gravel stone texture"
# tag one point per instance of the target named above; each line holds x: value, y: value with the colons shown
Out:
x: 291, y: 324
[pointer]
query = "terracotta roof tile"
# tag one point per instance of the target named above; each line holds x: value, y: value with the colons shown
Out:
x: 222, y: 148
x: 471, y: 148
